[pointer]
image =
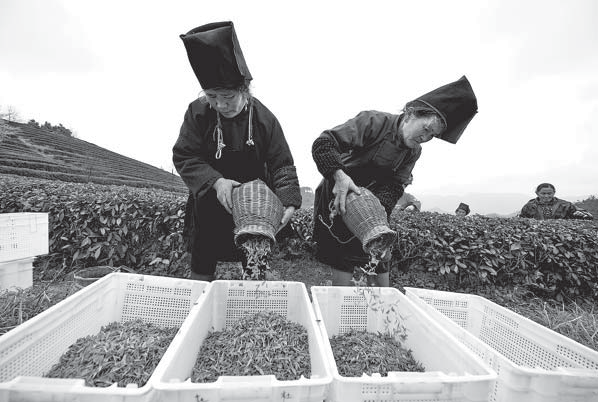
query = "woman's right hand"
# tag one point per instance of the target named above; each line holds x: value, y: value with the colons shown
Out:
x: 343, y: 185
x: 224, y: 192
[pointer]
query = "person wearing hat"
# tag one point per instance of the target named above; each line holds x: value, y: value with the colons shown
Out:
x: 228, y: 137
x: 462, y: 210
x: 547, y: 206
x: 378, y: 150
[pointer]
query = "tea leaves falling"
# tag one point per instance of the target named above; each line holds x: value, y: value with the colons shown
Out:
x: 377, y: 250
x: 259, y: 344
x: 122, y: 353
x: 359, y: 352
x: 257, y: 250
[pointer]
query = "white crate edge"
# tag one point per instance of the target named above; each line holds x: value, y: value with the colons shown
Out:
x: 421, y: 386
x: 41, y: 389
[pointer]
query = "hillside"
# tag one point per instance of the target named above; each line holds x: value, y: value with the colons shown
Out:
x: 29, y: 151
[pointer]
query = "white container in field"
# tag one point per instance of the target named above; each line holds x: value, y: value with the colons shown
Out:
x: 452, y: 372
x: 16, y: 274
x: 29, y: 351
x: 23, y: 235
x: 226, y: 302
x: 533, y: 362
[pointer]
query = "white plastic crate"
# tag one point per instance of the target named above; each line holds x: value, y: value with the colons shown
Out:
x: 23, y: 235
x: 17, y: 274
x: 28, y: 351
x: 453, y: 373
x: 533, y: 362
x: 225, y: 303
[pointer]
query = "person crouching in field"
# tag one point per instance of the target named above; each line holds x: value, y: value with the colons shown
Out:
x: 378, y: 150
x: 228, y: 137
x: 547, y: 206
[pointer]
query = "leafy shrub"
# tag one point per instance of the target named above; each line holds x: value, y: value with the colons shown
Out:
x: 557, y: 257
x: 93, y: 224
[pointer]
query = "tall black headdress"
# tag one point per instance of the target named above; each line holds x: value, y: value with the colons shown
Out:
x: 455, y: 103
x: 215, y: 56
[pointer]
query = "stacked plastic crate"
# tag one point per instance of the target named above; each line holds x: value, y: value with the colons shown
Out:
x: 23, y: 236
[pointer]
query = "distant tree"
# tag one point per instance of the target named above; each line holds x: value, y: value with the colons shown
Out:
x: 59, y: 129
x: 33, y: 123
x: 11, y: 114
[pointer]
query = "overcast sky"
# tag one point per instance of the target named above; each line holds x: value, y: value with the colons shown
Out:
x: 116, y: 73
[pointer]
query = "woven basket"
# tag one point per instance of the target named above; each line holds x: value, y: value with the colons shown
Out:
x: 366, y: 219
x: 256, y: 211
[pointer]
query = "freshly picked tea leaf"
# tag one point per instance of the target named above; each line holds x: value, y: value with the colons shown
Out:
x: 122, y: 353
x: 259, y: 344
x: 359, y: 352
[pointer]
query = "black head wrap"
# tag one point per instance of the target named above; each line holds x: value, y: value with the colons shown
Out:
x: 215, y: 56
x: 455, y: 103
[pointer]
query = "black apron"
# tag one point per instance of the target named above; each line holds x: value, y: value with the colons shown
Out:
x: 212, y: 225
x: 336, y: 244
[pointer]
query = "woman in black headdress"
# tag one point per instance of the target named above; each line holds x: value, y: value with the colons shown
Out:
x: 228, y: 137
x: 378, y: 150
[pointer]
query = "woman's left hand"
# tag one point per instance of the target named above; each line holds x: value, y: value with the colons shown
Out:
x: 286, y: 216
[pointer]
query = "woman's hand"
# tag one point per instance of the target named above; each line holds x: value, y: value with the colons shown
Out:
x: 343, y: 185
x: 224, y: 192
x: 286, y: 216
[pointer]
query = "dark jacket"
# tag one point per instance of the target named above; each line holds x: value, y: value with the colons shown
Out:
x: 369, y: 149
x: 195, y: 149
x: 557, y: 209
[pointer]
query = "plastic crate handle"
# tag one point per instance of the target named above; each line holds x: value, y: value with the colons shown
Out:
x: 246, y: 388
x: 33, y: 384
x: 579, y: 377
x: 405, y: 386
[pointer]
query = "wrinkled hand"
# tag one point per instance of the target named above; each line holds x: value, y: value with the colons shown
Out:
x: 286, y: 216
x: 343, y: 185
x: 582, y: 215
x: 224, y: 192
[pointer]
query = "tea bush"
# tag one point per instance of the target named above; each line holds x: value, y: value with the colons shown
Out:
x: 92, y: 224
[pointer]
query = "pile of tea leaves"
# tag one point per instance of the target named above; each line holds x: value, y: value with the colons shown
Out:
x: 122, y: 353
x: 359, y: 352
x: 257, y: 344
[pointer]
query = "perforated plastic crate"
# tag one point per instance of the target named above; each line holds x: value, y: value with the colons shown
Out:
x: 533, y: 362
x: 17, y: 274
x: 225, y: 303
x: 23, y: 235
x: 453, y: 373
x: 28, y: 351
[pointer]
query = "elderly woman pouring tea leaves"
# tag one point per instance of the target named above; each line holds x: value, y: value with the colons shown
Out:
x: 228, y: 137
x: 378, y: 150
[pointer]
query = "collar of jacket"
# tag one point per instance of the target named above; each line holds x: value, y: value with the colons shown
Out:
x: 396, y: 135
